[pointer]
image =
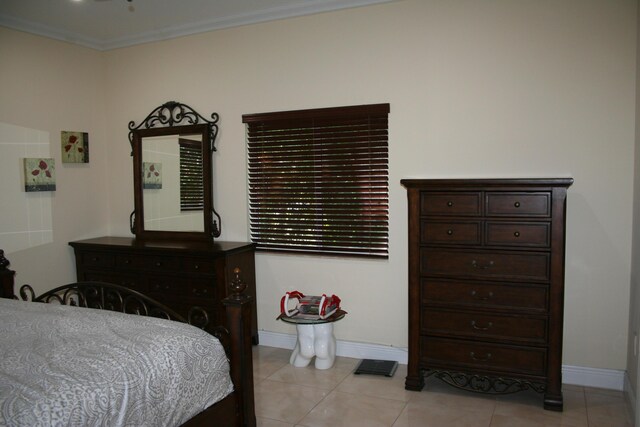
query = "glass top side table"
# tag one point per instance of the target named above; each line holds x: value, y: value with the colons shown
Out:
x: 314, y: 338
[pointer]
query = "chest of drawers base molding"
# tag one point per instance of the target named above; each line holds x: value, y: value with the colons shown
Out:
x: 180, y: 275
x: 486, y: 284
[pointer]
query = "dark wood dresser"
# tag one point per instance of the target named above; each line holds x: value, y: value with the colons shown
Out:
x: 178, y: 274
x: 486, y: 284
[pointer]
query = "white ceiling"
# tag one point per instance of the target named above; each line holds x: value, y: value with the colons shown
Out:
x: 110, y: 24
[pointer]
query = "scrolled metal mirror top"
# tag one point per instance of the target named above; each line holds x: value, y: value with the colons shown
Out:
x: 172, y: 149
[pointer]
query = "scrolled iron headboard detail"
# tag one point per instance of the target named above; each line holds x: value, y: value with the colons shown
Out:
x: 175, y: 113
x: 108, y: 296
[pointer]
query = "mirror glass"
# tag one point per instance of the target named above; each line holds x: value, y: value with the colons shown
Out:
x: 172, y: 183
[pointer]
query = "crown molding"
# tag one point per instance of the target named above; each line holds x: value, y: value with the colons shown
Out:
x: 298, y: 8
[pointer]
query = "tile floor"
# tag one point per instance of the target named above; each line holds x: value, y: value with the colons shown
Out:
x: 294, y: 397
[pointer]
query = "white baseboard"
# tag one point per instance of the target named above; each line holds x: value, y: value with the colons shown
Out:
x: 589, y: 377
x: 630, y: 395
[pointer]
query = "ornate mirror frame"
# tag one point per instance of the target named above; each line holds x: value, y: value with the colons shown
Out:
x: 174, y: 119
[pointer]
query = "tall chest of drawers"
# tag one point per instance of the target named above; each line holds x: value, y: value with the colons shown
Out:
x: 180, y: 275
x: 486, y: 284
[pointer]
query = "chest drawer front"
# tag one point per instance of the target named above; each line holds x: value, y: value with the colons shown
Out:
x: 201, y: 289
x: 489, y: 295
x: 529, y: 266
x: 127, y: 261
x: 458, y: 232
x: 518, y: 204
x: 485, y: 325
x: 464, y: 204
x: 161, y: 263
x: 96, y: 259
x: 518, y: 234
x: 197, y: 265
x: 461, y: 354
x: 126, y: 280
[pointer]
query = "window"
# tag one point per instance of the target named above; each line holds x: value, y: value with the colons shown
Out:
x: 318, y: 180
x: 191, y: 183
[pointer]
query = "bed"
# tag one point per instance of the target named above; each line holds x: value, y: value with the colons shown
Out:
x: 67, y: 363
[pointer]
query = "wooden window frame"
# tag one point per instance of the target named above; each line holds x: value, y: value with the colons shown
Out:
x: 319, y: 180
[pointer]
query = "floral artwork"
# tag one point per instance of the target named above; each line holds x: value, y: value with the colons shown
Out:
x: 151, y: 175
x: 39, y: 174
x: 75, y: 147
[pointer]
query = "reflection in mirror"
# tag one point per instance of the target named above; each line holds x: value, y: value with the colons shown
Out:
x: 172, y: 183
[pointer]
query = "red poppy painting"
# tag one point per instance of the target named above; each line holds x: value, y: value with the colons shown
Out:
x: 39, y: 174
x: 151, y: 175
x: 75, y: 147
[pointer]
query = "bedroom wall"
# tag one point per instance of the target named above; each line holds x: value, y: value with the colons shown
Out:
x: 634, y: 315
x: 47, y: 87
x: 477, y: 89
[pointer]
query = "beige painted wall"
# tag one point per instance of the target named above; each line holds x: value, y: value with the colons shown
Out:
x: 51, y: 87
x: 634, y: 314
x: 477, y: 89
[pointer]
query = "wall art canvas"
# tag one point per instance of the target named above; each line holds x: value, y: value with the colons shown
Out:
x: 75, y: 147
x: 39, y: 174
x: 151, y: 175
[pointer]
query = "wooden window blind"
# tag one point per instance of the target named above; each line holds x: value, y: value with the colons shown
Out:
x: 318, y: 180
x: 191, y: 183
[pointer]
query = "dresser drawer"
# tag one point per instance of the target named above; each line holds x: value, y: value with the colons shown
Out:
x: 166, y: 284
x: 463, y: 204
x: 161, y: 263
x: 462, y: 354
x: 456, y: 232
x: 201, y: 289
x: 518, y: 204
x: 484, y: 325
x: 524, y: 234
x: 126, y: 280
x: 530, y: 266
x: 96, y: 259
x: 484, y: 295
x: 127, y: 261
x: 198, y: 265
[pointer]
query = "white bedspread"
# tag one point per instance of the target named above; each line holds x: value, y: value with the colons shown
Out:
x: 70, y: 366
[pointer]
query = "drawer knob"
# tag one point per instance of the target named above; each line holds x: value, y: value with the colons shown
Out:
x: 486, y: 358
x: 449, y: 232
x: 516, y: 204
x: 449, y: 203
x: 475, y: 326
x: 475, y: 294
x: 475, y: 264
x: 159, y: 264
x: 197, y: 266
x: 516, y: 234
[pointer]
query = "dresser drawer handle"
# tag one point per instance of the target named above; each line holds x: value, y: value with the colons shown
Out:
x: 475, y: 264
x: 449, y: 232
x: 482, y: 298
x: 486, y: 358
x: 95, y: 259
x: 159, y: 264
x: 196, y: 267
x: 516, y: 234
x: 475, y: 326
x: 516, y: 204
x: 199, y: 292
x: 449, y: 203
